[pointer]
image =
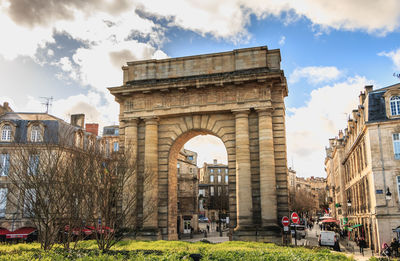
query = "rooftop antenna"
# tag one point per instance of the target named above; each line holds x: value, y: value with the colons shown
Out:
x: 48, y: 102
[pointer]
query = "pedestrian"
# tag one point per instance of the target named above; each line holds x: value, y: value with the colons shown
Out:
x: 394, y: 245
x: 336, y: 246
x: 362, y: 244
x: 208, y: 228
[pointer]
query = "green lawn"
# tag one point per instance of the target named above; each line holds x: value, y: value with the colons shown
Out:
x: 170, y: 250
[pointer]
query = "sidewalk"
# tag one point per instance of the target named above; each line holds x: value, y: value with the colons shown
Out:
x: 350, y: 248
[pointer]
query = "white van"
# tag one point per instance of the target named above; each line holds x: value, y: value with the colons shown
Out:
x: 327, y: 238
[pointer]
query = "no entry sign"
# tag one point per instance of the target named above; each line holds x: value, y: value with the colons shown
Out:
x: 295, y: 218
x: 285, y: 221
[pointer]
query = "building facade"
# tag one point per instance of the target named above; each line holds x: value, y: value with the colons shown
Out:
x: 313, y: 187
x: 25, y: 142
x: 213, y: 191
x: 188, y: 187
x: 367, y: 167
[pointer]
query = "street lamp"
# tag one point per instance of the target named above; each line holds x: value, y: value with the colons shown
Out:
x: 349, y: 203
x: 388, y: 194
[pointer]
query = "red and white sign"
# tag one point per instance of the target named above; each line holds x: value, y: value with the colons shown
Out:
x: 295, y: 218
x: 285, y: 221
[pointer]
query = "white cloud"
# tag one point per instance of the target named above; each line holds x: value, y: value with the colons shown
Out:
x: 394, y: 55
x: 100, y: 65
x: 208, y: 148
x: 315, y: 74
x: 309, y: 127
x: 282, y: 40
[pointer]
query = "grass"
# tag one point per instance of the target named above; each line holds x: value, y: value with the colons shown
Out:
x: 170, y: 250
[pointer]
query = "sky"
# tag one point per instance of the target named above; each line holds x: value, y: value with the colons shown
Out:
x: 73, y: 50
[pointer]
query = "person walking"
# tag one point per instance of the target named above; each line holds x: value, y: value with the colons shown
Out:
x: 362, y: 244
x: 394, y: 245
x: 208, y: 228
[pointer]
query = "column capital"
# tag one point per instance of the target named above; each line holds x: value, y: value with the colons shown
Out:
x: 129, y: 121
x: 264, y: 110
x: 241, y: 113
x: 151, y: 120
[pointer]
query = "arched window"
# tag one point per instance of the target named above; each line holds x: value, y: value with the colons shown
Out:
x: 6, y: 133
x: 36, y: 135
x: 395, y: 105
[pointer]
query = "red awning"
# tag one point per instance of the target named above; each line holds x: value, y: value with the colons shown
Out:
x: 4, y: 231
x: 330, y: 221
x: 21, y: 232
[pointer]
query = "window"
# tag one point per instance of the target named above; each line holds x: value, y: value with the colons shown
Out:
x: 398, y: 186
x: 4, y: 164
x: 226, y: 179
x: 115, y: 146
x: 202, y: 192
x: 191, y: 170
x: 396, y: 145
x: 226, y: 171
x: 219, y: 191
x: 3, y: 202
x: 212, y: 178
x: 190, y: 157
x: 219, y: 170
x: 6, y: 133
x: 219, y: 179
x: 212, y: 170
x: 33, y: 164
x: 211, y: 191
x: 29, y: 200
x: 395, y: 105
x: 36, y: 134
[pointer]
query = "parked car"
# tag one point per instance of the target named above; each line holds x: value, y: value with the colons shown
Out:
x: 327, y: 238
x: 301, y: 230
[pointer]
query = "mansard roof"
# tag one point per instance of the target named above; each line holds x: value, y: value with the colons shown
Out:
x: 376, y: 104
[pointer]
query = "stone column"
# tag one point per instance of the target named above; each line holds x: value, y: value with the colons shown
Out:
x: 150, y: 176
x: 267, y: 168
x: 244, y: 201
x: 130, y: 188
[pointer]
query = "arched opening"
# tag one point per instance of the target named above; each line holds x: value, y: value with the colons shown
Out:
x: 198, y: 185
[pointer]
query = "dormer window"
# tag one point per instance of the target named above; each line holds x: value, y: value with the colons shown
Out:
x: 395, y: 105
x: 6, y: 133
x: 36, y: 134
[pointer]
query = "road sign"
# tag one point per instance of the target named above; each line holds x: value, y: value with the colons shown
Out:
x: 285, y: 221
x: 295, y: 218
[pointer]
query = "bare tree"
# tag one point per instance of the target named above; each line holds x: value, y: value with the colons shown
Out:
x: 37, y: 189
x: 113, y: 185
x: 303, y: 202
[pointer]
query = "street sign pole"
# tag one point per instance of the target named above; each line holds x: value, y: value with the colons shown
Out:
x: 295, y: 220
x: 285, y: 223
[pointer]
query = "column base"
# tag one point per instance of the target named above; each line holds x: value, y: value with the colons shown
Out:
x: 268, y: 234
x: 150, y: 234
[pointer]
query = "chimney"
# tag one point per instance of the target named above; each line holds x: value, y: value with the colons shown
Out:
x: 362, y: 98
x: 78, y: 120
x: 340, y: 134
x: 368, y: 88
x: 215, y: 161
x: 92, y: 128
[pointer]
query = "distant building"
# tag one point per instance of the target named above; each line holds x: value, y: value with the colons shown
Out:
x: 363, y: 164
x: 187, y: 191
x: 315, y: 186
x: 213, y: 190
x: 110, y: 139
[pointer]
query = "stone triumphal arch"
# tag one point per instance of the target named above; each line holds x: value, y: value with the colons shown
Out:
x: 237, y: 96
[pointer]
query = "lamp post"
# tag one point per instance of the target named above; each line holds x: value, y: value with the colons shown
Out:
x: 388, y: 194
